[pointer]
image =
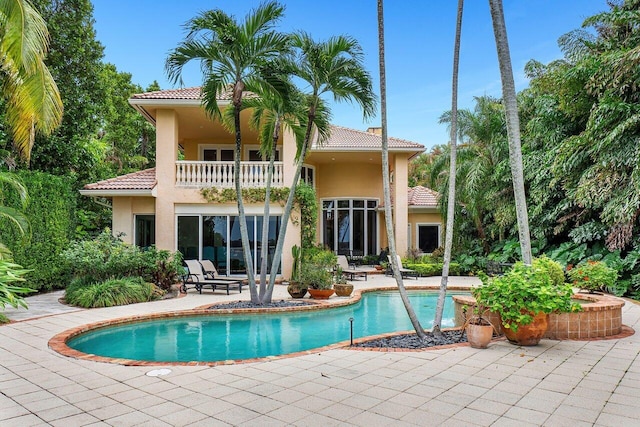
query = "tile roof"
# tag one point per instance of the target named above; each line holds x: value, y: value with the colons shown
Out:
x: 141, y: 180
x: 420, y: 197
x: 182, y: 93
x: 423, y: 196
x: 348, y: 139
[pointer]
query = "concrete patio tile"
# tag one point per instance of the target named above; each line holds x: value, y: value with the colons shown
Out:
x: 131, y: 419
x: 28, y: 420
x: 473, y: 416
x: 369, y: 419
x: 12, y: 411
x: 319, y: 420
x: 391, y: 410
x: 556, y: 420
x: 78, y: 420
x: 263, y: 405
x: 489, y: 406
x: 290, y: 414
x: 620, y: 409
x: 59, y: 412
x: 455, y: 398
x: 381, y: 393
x: 340, y: 411
x: 163, y: 409
x: 441, y: 408
x: 526, y: 415
x: 18, y: 387
x: 104, y: 412
x: 43, y: 404
x: 407, y: 399
x: 145, y: 401
x: 538, y: 404
x: 237, y: 415
x: 95, y: 403
x: 419, y: 417
x: 576, y: 413
x: 363, y: 402
x: 612, y: 420
x: 181, y: 417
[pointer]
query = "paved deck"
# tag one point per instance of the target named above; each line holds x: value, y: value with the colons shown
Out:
x: 557, y: 383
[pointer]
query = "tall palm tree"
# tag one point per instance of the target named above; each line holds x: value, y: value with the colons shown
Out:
x: 33, y: 103
x: 448, y: 241
x: 332, y: 68
x: 513, y: 126
x: 386, y: 182
x: 231, y: 55
x: 272, y: 112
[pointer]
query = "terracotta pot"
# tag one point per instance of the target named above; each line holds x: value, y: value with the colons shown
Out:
x: 479, y: 336
x: 530, y: 334
x: 296, y: 290
x: 343, y: 290
x: 320, y: 293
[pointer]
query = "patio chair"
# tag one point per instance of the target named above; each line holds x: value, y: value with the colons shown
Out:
x: 196, y: 277
x: 405, y: 272
x: 348, y: 270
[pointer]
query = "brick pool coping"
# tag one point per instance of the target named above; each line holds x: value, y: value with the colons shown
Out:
x: 58, y: 342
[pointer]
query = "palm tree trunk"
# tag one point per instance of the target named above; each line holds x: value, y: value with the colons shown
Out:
x: 264, y: 253
x: 513, y: 126
x: 277, y: 256
x: 386, y: 181
x: 448, y: 240
x: 244, y: 234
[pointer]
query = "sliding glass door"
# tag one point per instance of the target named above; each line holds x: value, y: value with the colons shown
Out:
x: 350, y: 227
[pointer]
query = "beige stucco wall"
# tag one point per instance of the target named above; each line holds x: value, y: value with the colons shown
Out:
x: 428, y: 217
x: 124, y: 209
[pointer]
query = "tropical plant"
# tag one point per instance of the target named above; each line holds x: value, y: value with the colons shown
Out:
x: 553, y: 268
x: 593, y: 276
x: 386, y: 181
x: 331, y: 68
x: 317, y: 267
x: 448, y: 241
x: 296, y: 254
x: 112, y: 292
x: 232, y: 56
x: 521, y: 293
x: 32, y: 101
x: 10, y: 293
x: 15, y: 216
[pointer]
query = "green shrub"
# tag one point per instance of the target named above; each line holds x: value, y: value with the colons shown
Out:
x: 556, y: 273
x: 111, y: 292
x: 108, y: 257
x: 593, y: 276
x: 10, y: 293
x: 433, y: 269
x: 51, y: 213
x: 317, y: 266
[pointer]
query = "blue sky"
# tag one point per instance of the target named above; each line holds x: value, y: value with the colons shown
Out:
x: 419, y: 46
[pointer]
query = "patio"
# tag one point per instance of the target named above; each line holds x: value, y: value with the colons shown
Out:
x: 557, y: 383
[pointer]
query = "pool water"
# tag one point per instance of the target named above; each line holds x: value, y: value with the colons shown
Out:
x: 238, y: 336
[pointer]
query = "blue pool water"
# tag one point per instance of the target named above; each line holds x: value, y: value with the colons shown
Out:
x: 223, y: 337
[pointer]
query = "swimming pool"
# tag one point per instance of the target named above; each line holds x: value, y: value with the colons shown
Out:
x: 219, y: 337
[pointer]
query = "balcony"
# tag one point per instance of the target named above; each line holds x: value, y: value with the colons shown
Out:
x: 198, y: 174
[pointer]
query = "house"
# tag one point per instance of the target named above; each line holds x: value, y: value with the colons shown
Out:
x: 164, y: 205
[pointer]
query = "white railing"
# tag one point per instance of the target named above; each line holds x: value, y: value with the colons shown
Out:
x: 220, y: 174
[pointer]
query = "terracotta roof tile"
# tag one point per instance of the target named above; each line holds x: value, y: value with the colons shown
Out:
x: 182, y: 93
x: 420, y: 196
x: 423, y: 196
x: 141, y: 180
x: 346, y: 139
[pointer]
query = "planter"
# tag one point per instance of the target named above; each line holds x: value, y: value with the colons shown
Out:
x: 479, y: 336
x: 296, y: 290
x: 320, y: 293
x: 343, y: 290
x: 530, y: 334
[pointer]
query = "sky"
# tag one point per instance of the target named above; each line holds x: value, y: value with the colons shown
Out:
x: 418, y: 47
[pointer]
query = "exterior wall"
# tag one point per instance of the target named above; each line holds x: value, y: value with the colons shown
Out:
x: 427, y: 217
x: 124, y: 208
x: 400, y: 201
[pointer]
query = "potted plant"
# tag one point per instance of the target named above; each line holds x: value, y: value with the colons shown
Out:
x: 523, y: 297
x: 316, y: 272
x: 478, y: 328
x: 342, y: 288
x: 593, y: 276
x: 296, y: 288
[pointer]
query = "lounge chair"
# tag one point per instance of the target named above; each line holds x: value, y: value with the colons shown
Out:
x: 347, y: 270
x: 196, y: 277
x: 405, y: 272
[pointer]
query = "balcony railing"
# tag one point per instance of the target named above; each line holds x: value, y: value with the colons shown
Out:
x: 220, y: 174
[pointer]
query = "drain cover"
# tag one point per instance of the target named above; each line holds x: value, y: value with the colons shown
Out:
x: 158, y: 372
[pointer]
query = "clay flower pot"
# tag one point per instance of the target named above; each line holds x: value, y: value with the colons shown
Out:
x: 528, y: 335
x: 343, y: 290
x: 320, y: 293
x: 479, y: 336
x: 296, y: 290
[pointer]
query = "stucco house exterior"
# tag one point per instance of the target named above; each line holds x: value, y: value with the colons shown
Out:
x: 164, y: 205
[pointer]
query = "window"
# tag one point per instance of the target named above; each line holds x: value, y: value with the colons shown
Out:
x: 254, y: 156
x: 307, y: 174
x: 428, y: 236
x: 217, y: 238
x: 211, y: 153
x: 145, y: 230
x: 350, y: 227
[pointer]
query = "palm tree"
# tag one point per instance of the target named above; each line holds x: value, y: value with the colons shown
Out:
x: 513, y: 126
x: 386, y: 181
x: 231, y: 55
x: 334, y: 67
x: 271, y: 112
x: 448, y: 241
x: 32, y: 99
